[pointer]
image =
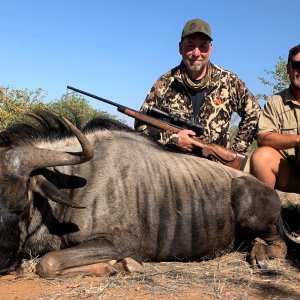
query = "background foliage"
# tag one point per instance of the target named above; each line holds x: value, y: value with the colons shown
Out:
x: 276, y: 80
x: 14, y: 104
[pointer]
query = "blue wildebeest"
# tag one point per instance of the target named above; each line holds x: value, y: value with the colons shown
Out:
x: 116, y: 196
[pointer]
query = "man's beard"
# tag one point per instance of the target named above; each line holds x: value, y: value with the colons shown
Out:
x: 193, y: 68
x: 296, y: 83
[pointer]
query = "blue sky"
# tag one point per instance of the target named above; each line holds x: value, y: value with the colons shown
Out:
x: 117, y: 49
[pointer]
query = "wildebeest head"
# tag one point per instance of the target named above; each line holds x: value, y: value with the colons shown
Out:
x: 17, y: 186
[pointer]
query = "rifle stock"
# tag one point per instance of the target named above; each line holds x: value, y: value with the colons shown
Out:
x: 224, y: 155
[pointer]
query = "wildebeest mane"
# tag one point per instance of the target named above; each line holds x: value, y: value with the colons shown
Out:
x: 103, y: 122
x: 44, y: 124
x: 39, y: 124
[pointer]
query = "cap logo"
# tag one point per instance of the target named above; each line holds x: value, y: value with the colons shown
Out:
x: 193, y: 26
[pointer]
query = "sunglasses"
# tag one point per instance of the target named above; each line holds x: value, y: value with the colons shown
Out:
x: 295, y: 64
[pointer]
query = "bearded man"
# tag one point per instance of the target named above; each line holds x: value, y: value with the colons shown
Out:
x: 199, y: 91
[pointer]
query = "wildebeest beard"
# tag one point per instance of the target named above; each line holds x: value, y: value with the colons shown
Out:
x: 9, y: 241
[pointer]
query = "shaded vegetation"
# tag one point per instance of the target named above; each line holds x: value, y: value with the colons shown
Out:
x: 15, y: 104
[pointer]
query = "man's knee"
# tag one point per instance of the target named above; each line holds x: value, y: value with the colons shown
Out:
x: 264, y: 157
x: 270, y: 167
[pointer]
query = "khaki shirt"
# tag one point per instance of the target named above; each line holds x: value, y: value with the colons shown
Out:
x: 281, y: 114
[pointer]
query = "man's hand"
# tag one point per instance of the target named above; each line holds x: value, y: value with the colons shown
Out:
x: 186, y: 142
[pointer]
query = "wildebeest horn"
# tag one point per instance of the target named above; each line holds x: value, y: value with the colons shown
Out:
x: 45, y: 188
x: 23, y: 160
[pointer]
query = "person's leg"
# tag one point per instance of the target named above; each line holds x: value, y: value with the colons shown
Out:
x: 267, y: 165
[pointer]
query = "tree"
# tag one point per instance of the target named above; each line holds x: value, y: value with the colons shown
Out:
x: 277, y: 79
x: 15, y: 104
x: 76, y: 108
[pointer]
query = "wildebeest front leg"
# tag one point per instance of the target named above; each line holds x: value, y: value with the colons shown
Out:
x: 96, y: 257
x: 257, y: 209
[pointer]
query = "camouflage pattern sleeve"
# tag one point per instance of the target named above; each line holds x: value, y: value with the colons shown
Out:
x: 154, y: 98
x: 248, y: 109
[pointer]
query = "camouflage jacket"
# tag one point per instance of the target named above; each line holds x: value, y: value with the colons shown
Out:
x: 225, y: 93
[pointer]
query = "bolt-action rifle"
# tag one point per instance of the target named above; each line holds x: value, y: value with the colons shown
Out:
x: 224, y: 155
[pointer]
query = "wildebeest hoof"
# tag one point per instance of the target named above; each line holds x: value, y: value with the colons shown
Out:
x: 277, y: 249
x: 131, y: 265
x: 259, y: 255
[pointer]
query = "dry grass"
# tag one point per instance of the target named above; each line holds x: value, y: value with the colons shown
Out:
x: 228, y: 277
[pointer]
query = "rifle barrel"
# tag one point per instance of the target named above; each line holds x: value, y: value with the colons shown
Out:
x: 96, y: 97
x: 131, y: 112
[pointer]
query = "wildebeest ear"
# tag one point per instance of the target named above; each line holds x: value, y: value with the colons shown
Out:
x: 45, y: 188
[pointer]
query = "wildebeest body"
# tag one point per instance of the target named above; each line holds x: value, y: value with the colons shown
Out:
x: 170, y: 203
x: 144, y: 202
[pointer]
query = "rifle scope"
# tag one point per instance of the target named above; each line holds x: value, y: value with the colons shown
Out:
x: 175, y: 119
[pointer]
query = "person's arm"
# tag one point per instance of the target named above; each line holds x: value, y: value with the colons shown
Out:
x: 248, y: 109
x: 277, y: 140
x: 182, y: 140
x: 269, y: 124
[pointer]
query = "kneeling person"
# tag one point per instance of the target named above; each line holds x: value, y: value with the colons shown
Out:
x: 277, y: 160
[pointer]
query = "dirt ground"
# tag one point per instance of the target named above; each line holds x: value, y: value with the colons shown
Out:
x: 228, y: 277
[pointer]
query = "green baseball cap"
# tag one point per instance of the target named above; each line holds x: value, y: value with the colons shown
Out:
x: 194, y: 26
